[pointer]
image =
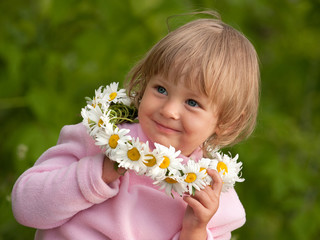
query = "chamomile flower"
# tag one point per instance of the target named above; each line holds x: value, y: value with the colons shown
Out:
x: 114, y: 95
x: 167, y: 160
x: 132, y: 157
x: 174, y: 181
x: 94, y: 118
x: 228, y: 169
x: 99, y: 98
x: 111, y: 139
x: 193, y: 177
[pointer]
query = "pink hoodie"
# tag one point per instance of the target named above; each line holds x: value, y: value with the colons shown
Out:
x: 64, y: 197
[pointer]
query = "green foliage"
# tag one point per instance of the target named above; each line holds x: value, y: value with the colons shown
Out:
x: 54, y: 53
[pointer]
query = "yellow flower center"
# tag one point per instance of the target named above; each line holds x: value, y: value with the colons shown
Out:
x: 165, y: 163
x: 150, y: 162
x: 191, y: 177
x: 112, y: 96
x: 170, y: 180
x: 100, y: 122
x: 133, y: 154
x: 222, y: 167
x: 113, y: 141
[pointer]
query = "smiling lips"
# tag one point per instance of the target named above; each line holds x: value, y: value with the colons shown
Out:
x: 165, y: 129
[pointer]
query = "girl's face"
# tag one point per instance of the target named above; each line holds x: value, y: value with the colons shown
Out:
x: 175, y: 115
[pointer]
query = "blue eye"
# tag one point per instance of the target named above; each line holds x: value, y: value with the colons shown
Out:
x: 192, y: 103
x: 162, y: 90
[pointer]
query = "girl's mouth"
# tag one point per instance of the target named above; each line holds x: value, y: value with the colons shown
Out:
x: 165, y: 129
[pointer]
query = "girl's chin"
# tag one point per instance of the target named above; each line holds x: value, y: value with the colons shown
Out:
x: 163, y: 141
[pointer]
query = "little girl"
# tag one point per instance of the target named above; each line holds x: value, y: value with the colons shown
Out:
x: 195, y: 90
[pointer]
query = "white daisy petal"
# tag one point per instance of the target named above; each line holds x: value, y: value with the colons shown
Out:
x: 206, y: 163
x: 94, y: 118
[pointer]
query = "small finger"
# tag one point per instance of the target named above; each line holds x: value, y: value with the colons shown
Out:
x: 203, y: 196
x: 217, y: 182
x: 192, y: 202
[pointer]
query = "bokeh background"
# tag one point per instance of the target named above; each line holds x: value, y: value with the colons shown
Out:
x: 54, y: 53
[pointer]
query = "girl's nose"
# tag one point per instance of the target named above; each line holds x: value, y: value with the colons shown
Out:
x: 171, y: 109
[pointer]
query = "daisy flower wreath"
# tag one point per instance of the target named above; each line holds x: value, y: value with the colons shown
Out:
x: 110, y: 107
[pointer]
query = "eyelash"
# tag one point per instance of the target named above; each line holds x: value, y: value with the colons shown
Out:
x: 190, y: 102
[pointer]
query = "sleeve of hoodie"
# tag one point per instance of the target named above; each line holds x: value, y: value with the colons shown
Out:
x: 65, y: 180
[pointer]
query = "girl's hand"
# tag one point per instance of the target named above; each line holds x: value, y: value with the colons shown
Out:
x: 109, y: 173
x: 201, y: 207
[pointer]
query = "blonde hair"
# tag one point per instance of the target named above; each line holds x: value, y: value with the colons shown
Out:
x: 217, y: 60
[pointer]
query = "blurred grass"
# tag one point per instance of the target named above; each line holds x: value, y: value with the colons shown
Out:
x: 54, y: 53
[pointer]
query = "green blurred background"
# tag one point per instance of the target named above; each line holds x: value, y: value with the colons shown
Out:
x: 54, y: 53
